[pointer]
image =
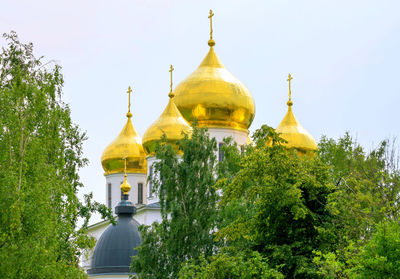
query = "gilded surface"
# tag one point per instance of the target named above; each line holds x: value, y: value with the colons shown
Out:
x: 294, y: 133
x: 128, y: 144
x: 213, y: 96
x: 125, y: 186
x: 171, y: 123
x: 291, y: 130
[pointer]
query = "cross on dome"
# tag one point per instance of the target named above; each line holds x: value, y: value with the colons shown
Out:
x: 211, y: 42
x: 171, y: 69
x: 129, y: 114
x: 290, y: 103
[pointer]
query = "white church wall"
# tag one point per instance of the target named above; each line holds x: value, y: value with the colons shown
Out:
x: 240, y: 137
x: 147, y: 216
x: 115, y: 180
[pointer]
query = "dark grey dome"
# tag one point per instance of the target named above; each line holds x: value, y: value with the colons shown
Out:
x: 114, y: 249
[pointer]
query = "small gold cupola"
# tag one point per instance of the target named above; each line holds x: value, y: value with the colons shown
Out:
x: 213, y: 96
x: 170, y: 123
x: 125, y: 149
x: 293, y: 132
x: 125, y: 186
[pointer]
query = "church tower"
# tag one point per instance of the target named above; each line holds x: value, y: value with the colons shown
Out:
x: 215, y: 99
x: 170, y: 124
x: 126, y: 148
x: 210, y: 97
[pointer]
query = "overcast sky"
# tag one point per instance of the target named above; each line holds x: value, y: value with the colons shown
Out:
x: 344, y: 57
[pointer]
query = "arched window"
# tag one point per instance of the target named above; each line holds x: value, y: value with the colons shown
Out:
x: 150, y: 183
x: 122, y: 193
x: 109, y: 195
x: 140, y: 193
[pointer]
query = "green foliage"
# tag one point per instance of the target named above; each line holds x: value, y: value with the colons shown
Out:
x: 380, y: 258
x: 188, y: 202
x: 368, y: 183
x: 40, y: 154
x: 329, y: 265
x: 231, y: 163
x: 281, y: 214
x: 367, y: 194
x: 284, y: 200
x: 226, y: 265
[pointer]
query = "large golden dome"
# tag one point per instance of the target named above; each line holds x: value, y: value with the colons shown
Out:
x: 127, y: 146
x: 293, y: 132
x: 213, y: 96
x: 170, y: 123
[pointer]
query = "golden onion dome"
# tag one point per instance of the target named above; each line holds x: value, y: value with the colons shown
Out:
x: 213, y: 96
x: 125, y: 186
x: 127, y: 146
x: 293, y: 132
x: 170, y: 123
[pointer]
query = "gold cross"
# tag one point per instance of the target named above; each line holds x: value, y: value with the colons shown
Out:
x: 171, y: 68
x: 129, y: 92
x: 125, y: 158
x: 210, y: 17
x: 290, y: 91
x: 125, y: 187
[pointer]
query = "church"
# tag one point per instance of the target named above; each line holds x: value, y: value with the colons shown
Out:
x: 216, y: 100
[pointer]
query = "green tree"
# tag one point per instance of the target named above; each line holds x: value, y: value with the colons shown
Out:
x: 230, y: 264
x: 284, y: 201
x: 380, y: 258
x: 368, y: 183
x: 367, y: 193
x: 188, y: 200
x: 40, y: 154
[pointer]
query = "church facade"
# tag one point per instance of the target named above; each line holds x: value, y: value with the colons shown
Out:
x: 213, y: 98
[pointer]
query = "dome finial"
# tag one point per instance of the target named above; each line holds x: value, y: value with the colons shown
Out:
x: 211, y: 42
x: 290, y: 103
x: 129, y: 114
x: 125, y: 187
x: 171, y: 95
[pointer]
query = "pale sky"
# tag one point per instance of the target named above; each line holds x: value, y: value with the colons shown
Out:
x: 344, y: 57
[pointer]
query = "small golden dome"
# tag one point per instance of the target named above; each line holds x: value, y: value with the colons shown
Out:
x: 171, y: 123
x: 125, y: 186
x: 291, y: 130
x: 295, y: 135
x: 128, y: 144
x: 213, y: 96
